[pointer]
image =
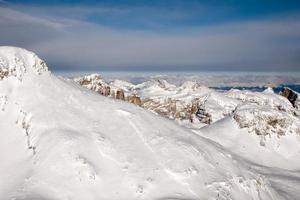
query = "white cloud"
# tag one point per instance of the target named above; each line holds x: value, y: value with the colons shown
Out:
x: 270, y: 44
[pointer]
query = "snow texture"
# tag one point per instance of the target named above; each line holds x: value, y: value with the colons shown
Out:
x: 59, y: 140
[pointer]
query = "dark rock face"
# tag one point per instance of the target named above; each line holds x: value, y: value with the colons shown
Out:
x: 290, y: 95
x: 203, y: 116
x: 120, y: 95
x: 3, y: 74
x: 104, y: 90
x: 84, y: 82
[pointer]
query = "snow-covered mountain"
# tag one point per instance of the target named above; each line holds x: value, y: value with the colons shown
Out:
x: 198, y: 104
x: 263, y: 128
x: 59, y: 140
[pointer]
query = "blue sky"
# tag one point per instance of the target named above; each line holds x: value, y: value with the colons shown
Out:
x: 170, y: 35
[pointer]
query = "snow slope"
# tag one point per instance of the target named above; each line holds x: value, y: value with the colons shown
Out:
x: 191, y: 103
x: 278, y: 158
x: 60, y: 141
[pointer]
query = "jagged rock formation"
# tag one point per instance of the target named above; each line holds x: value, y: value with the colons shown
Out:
x: 263, y: 113
x: 292, y: 96
x: 95, y: 82
x: 168, y: 106
x: 3, y: 73
x: 14, y: 64
x: 203, y: 116
x: 265, y: 121
x: 134, y: 99
x: 120, y: 95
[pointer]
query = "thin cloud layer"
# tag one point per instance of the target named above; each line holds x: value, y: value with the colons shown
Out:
x: 76, y: 43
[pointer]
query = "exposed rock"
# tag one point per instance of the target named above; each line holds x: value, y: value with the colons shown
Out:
x: 17, y: 62
x: 168, y: 108
x: 84, y: 82
x: 120, y: 95
x: 104, y: 90
x: 291, y: 95
x: 3, y: 74
x: 263, y: 113
x: 203, y: 116
x: 191, y: 111
x: 135, y: 100
x: 263, y: 120
x: 107, y: 91
x: 94, y: 82
x: 194, y: 107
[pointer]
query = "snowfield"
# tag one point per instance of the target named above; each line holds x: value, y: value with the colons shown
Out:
x: 61, y: 141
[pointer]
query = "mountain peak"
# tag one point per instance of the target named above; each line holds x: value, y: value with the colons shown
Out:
x: 17, y: 62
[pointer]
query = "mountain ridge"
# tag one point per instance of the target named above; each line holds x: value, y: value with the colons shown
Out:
x: 61, y: 141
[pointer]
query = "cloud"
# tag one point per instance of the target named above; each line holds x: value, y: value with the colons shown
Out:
x: 76, y: 43
x: 18, y: 28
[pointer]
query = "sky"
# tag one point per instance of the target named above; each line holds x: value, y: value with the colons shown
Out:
x: 156, y: 35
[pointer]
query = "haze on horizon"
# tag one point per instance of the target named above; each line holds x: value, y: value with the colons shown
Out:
x: 170, y: 35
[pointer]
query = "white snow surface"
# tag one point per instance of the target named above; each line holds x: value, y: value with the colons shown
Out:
x: 61, y: 141
x: 277, y: 158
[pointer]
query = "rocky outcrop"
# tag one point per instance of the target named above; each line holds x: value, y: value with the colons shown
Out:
x: 203, y: 116
x: 105, y: 91
x: 264, y: 120
x: 96, y: 83
x: 291, y: 95
x: 164, y: 105
x: 263, y: 113
x: 3, y: 74
x: 168, y: 108
x: 17, y: 62
x: 120, y: 95
x: 135, y: 100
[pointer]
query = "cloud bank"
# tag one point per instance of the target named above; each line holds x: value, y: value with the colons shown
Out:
x: 76, y: 43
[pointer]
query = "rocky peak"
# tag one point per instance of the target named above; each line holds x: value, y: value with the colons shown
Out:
x: 291, y: 95
x: 17, y: 62
x: 266, y: 121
